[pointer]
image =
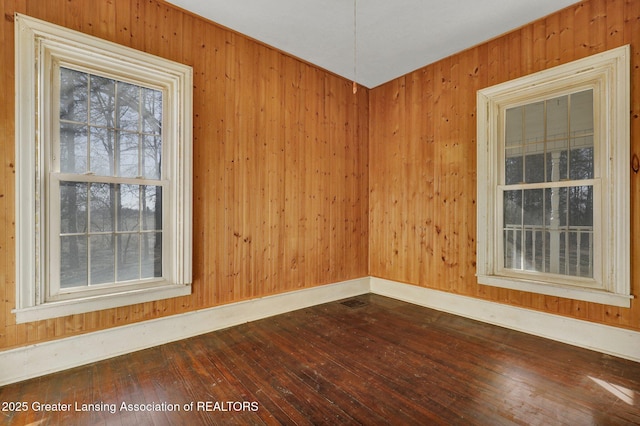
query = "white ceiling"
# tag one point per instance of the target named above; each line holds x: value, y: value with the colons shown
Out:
x: 393, y: 37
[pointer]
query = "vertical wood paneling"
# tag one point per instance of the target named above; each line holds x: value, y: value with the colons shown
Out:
x: 279, y: 147
x: 287, y: 191
x: 447, y: 205
x: 632, y: 32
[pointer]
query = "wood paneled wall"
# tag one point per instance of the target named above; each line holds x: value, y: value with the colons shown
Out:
x: 280, y: 163
x: 298, y: 183
x: 423, y: 155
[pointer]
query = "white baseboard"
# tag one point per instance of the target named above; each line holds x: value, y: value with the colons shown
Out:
x: 49, y: 357
x: 615, y: 341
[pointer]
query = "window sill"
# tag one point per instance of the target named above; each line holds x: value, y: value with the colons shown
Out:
x: 95, y: 303
x: 569, y: 292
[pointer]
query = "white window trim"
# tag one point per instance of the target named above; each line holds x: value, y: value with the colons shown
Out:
x: 610, y: 71
x: 38, y: 44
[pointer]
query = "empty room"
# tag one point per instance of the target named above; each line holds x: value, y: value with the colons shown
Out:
x: 336, y: 212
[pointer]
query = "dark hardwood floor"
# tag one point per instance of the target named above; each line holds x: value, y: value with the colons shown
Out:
x: 368, y: 360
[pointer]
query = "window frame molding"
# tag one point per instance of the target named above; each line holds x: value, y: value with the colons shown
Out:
x: 44, y: 44
x: 609, y: 73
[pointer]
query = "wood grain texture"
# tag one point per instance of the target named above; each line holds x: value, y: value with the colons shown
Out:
x: 280, y: 163
x: 368, y: 360
x: 423, y: 152
x: 298, y: 183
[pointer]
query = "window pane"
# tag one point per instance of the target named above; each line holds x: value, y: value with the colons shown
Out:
x: 102, y: 101
x: 129, y: 208
x: 151, y: 207
x: 580, y: 238
x: 151, y: 254
x: 581, y: 206
x: 152, y: 152
x: 151, y: 111
x: 73, y: 207
x: 556, y: 204
x: 73, y: 148
x: 582, y: 113
x: 128, y: 153
x: 102, y: 159
x: 73, y: 95
x: 534, y: 122
x: 102, y: 207
x: 128, y: 257
x: 557, y: 118
x: 533, y: 207
x: 581, y: 164
x: 513, y: 166
x: 73, y: 261
x: 557, y: 165
x: 128, y: 107
x: 512, y: 204
x: 102, y: 259
x: 534, y: 168
x: 513, y: 127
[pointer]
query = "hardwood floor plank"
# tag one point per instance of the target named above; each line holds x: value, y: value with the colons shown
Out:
x: 368, y: 360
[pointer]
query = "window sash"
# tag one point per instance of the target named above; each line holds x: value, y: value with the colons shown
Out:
x: 54, y: 289
x: 596, y: 281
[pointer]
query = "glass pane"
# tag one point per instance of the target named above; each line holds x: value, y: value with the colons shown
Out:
x: 151, y: 207
x: 128, y: 144
x: 151, y: 254
x: 513, y: 127
x: 582, y: 113
x: 533, y: 207
x: 556, y: 202
x: 513, y: 247
x: 102, y: 101
x: 102, y: 259
x: 581, y: 164
x: 128, y: 107
x: 534, y: 122
x: 581, y: 247
x: 557, y: 118
x: 580, y: 241
x: 128, y: 257
x: 513, y: 166
x: 557, y: 165
x: 73, y: 261
x: 151, y: 111
x: 152, y: 153
x: 73, y: 148
x: 102, y: 159
x: 129, y: 208
x: 534, y: 168
x: 102, y: 207
x: 581, y: 206
x: 512, y: 205
x: 73, y: 95
x: 73, y: 207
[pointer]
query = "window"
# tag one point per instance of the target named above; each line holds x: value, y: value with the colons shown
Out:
x: 103, y: 144
x: 553, y: 181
